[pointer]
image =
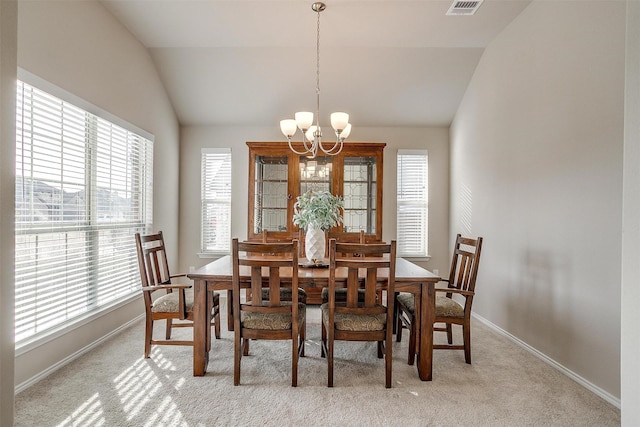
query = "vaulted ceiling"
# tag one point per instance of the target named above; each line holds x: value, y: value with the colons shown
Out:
x: 386, y: 63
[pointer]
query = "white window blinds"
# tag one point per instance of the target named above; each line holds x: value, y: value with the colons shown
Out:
x: 83, y: 188
x: 216, y: 201
x: 413, y: 203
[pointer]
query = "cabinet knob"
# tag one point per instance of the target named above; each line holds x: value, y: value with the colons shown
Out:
x: 289, y: 196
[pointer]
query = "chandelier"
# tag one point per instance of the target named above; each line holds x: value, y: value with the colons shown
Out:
x: 312, y: 134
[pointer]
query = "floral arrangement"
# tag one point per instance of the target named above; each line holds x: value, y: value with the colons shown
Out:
x: 318, y: 209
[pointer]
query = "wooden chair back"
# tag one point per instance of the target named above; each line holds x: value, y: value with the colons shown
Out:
x: 152, y: 259
x: 269, y: 236
x: 465, y: 262
x: 280, y: 255
x: 154, y: 271
x: 356, y: 256
x: 345, y: 237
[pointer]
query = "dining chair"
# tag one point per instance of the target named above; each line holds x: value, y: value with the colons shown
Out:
x: 269, y: 236
x: 462, y: 282
x: 176, y: 301
x: 269, y: 318
x: 345, y: 237
x: 353, y: 319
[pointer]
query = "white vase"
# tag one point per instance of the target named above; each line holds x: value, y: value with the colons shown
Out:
x: 314, y: 244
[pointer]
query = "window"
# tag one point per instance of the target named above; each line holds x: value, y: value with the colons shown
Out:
x: 413, y: 203
x: 216, y: 201
x: 83, y: 188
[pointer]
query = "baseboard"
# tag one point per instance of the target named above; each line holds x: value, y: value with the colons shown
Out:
x: 28, y: 383
x: 577, y: 378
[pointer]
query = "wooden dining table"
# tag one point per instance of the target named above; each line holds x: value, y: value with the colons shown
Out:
x: 217, y: 276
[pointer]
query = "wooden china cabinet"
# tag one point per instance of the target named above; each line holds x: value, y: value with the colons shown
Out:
x: 277, y: 176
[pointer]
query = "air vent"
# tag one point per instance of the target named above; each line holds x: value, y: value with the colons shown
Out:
x: 464, y: 7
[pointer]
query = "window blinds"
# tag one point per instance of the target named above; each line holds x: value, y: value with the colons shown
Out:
x: 216, y: 200
x: 83, y: 188
x: 412, y: 203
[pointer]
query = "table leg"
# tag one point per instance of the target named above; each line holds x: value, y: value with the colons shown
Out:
x: 230, y: 310
x: 201, y: 328
x: 427, y: 316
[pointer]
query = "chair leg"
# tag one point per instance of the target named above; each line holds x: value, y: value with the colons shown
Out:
x: 209, y: 317
x: 449, y: 334
x: 237, y: 356
x: 388, y: 361
x: 466, y: 335
x: 148, y: 336
x: 397, y: 325
x: 303, y: 337
x: 294, y: 359
x: 330, y: 361
x: 168, y: 331
x: 216, y: 327
x: 412, y: 342
x: 323, y: 344
x: 245, y: 347
x: 380, y: 349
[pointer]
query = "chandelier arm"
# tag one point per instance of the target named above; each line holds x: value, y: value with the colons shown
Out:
x: 332, y: 151
x: 301, y: 153
x: 309, y: 145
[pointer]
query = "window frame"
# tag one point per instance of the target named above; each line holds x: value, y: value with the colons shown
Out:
x: 225, y: 201
x: 138, y: 212
x: 418, y: 200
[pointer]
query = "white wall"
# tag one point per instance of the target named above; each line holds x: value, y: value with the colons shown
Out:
x: 193, y: 138
x: 8, y: 58
x: 79, y: 47
x: 536, y: 161
x: 630, y: 371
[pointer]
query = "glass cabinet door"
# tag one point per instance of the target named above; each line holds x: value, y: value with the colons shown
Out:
x: 270, y: 193
x: 360, y: 190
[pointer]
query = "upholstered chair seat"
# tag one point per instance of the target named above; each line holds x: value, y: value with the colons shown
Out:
x: 271, y: 321
x: 356, y: 322
x: 445, y: 307
x: 169, y: 303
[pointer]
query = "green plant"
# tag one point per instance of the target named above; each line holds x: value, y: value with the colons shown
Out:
x: 320, y: 209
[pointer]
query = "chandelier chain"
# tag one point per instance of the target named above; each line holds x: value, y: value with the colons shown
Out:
x: 318, y: 70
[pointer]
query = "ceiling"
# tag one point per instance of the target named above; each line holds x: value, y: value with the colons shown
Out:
x: 386, y: 62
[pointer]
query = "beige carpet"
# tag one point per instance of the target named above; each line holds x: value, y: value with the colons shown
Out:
x: 114, y: 386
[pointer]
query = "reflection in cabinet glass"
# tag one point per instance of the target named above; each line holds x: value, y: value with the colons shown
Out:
x: 316, y: 174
